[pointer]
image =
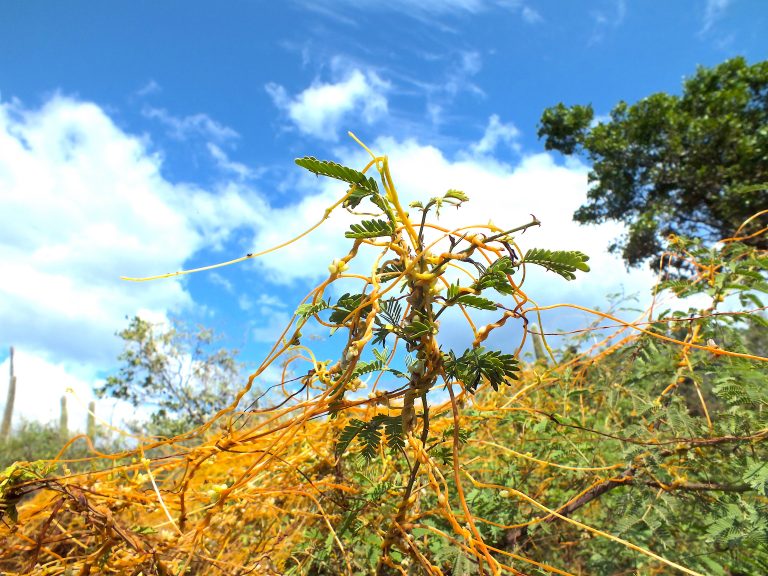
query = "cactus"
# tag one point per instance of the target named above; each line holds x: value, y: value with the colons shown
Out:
x: 5, y: 430
x: 64, y: 420
x: 539, y: 349
x: 91, y: 423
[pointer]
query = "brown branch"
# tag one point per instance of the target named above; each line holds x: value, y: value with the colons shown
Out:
x: 696, y: 486
x: 512, y: 537
x: 43, y: 531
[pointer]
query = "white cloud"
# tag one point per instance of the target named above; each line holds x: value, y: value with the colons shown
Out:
x: 713, y: 11
x: 83, y: 204
x: 470, y: 63
x: 530, y: 15
x: 238, y: 169
x: 320, y: 109
x: 435, y: 113
x: 149, y: 88
x: 40, y: 384
x: 219, y: 280
x: 195, y: 125
x: 418, y: 7
x: 269, y: 332
x: 495, y: 133
x: 423, y: 8
x: 244, y: 302
x: 606, y: 20
x: 506, y: 194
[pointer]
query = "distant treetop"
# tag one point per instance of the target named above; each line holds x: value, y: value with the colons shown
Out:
x: 692, y: 165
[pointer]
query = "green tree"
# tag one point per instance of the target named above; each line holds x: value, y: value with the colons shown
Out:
x: 176, y: 372
x: 693, y: 165
x: 32, y: 440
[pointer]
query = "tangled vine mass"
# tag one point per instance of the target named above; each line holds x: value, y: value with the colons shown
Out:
x: 631, y: 446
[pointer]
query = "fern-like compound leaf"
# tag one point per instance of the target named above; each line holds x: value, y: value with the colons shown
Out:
x: 562, y: 262
x: 478, y: 363
x: 393, y: 426
x: 307, y: 310
x: 363, y: 368
x: 370, y: 438
x: 339, y: 172
x: 390, y: 270
x: 349, y: 433
x: 345, y: 306
x: 417, y: 328
x: 457, y: 195
x: 495, y: 276
x: 392, y: 311
x: 370, y: 229
x: 478, y: 302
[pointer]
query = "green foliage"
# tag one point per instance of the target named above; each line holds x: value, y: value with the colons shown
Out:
x: 363, y: 184
x: 472, y: 301
x: 12, y: 480
x: 692, y: 165
x: 307, y: 310
x: 346, y: 305
x: 176, y: 372
x: 370, y: 229
x: 369, y: 435
x: 564, y: 263
x: 452, y: 198
x: 657, y: 436
x: 31, y: 441
x: 478, y: 363
x: 495, y: 276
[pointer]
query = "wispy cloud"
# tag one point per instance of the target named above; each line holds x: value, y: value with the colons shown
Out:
x: 608, y: 19
x: 413, y: 7
x: 421, y: 9
x: 496, y: 132
x: 219, y: 280
x: 150, y: 87
x: 713, y: 11
x: 224, y: 163
x: 185, y: 127
x: 320, y: 109
x: 530, y: 15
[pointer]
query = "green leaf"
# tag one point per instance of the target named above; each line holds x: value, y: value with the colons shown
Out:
x: 391, y: 311
x: 393, y: 426
x: 478, y: 302
x: 370, y: 438
x: 370, y: 229
x: 390, y: 270
x: 345, y: 305
x: 478, y: 363
x: 453, y: 291
x: 417, y: 328
x: 564, y: 263
x: 339, y: 172
x: 757, y: 476
x: 349, y: 433
x: 495, y: 276
x: 456, y: 195
x: 307, y: 310
x: 363, y: 368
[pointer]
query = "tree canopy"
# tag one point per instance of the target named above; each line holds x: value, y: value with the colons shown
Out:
x: 694, y: 164
x: 174, y: 370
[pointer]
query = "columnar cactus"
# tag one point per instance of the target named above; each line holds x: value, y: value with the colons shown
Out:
x: 5, y: 430
x: 91, y: 423
x: 64, y: 420
x: 538, y: 344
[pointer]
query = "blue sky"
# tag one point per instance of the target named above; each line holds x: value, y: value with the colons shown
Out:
x: 143, y: 137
